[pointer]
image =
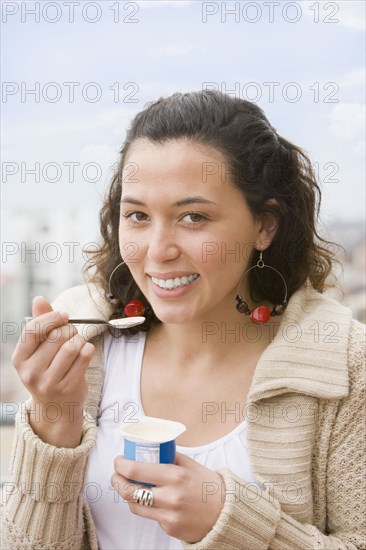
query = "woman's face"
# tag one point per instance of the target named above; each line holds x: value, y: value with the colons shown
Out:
x: 186, y: 233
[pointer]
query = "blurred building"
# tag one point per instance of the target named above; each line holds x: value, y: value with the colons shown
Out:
x: 353, y: 278
x: 42, y: 254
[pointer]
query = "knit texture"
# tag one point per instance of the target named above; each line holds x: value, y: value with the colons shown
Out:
x: 310, y: 455
x: 306, y: 443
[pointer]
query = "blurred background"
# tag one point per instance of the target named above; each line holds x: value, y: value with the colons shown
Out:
x: 75, y: 73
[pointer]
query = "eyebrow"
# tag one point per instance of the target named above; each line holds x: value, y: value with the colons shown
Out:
x: 183, y: 202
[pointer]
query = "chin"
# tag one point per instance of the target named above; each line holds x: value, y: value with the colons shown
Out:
x: 173, y: 316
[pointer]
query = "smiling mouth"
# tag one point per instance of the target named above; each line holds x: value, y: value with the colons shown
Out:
x: 177, y: 282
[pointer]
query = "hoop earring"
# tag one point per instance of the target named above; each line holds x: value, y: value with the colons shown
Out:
x: 261, y: 314
x: 134, y: 308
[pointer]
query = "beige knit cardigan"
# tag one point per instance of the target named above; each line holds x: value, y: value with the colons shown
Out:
x: 306, y: 443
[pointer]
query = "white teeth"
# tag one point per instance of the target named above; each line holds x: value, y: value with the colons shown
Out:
x: 174, y: 283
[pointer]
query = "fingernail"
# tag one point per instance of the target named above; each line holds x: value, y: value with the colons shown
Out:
x: 37, y: 297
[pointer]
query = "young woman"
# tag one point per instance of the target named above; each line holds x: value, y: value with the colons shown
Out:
x: 210, y: 226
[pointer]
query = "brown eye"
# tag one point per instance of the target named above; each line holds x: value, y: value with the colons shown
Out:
x: 194, y: 218
x: 136, y: 217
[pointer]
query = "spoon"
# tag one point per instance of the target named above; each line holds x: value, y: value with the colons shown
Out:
x: 125, y: 322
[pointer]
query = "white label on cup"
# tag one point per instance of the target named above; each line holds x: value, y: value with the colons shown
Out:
x: 148, y: 453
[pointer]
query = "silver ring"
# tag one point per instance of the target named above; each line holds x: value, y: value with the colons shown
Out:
x: 144, y: 497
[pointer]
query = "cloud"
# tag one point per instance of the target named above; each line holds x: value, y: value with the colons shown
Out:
x: 347, y: 13
x: 352, y: 14
x: 333, y: 85
x: 347, y: 121
x: 176, y: 50
x: 354, y: 79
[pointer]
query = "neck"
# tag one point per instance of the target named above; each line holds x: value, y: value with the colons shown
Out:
x: 211, y: 339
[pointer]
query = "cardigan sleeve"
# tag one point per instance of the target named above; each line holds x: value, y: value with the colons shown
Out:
x: 247, y: 521
x: 43, y: 502
x: 43, y: 505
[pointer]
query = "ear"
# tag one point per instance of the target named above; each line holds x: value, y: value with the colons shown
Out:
x: 268, y: 225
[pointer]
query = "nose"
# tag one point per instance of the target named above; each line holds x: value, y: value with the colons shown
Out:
x: 162, y: 245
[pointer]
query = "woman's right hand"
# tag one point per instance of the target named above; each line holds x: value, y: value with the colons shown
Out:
x: 51, y: 359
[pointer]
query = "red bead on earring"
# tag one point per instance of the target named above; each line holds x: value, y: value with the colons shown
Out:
x: 135, y: 308
x: 261, y: 314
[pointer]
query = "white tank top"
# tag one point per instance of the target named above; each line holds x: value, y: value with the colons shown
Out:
x: 117, y: 528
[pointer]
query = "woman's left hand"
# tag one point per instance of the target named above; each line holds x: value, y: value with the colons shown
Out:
x: 188, y: 497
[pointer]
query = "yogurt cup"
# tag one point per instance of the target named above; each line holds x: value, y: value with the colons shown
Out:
x: 151, y: 439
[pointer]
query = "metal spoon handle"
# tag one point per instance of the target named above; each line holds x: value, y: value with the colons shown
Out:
x: 126, y: 322
x: 79, y: 321
x: 88, y: 321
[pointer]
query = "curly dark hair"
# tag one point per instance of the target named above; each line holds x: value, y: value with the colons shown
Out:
x: 261, y: 163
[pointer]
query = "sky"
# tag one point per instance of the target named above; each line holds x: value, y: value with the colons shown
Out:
x: 75, y: 73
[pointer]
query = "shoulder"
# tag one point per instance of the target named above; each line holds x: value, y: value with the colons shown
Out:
x: 83, y: 301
